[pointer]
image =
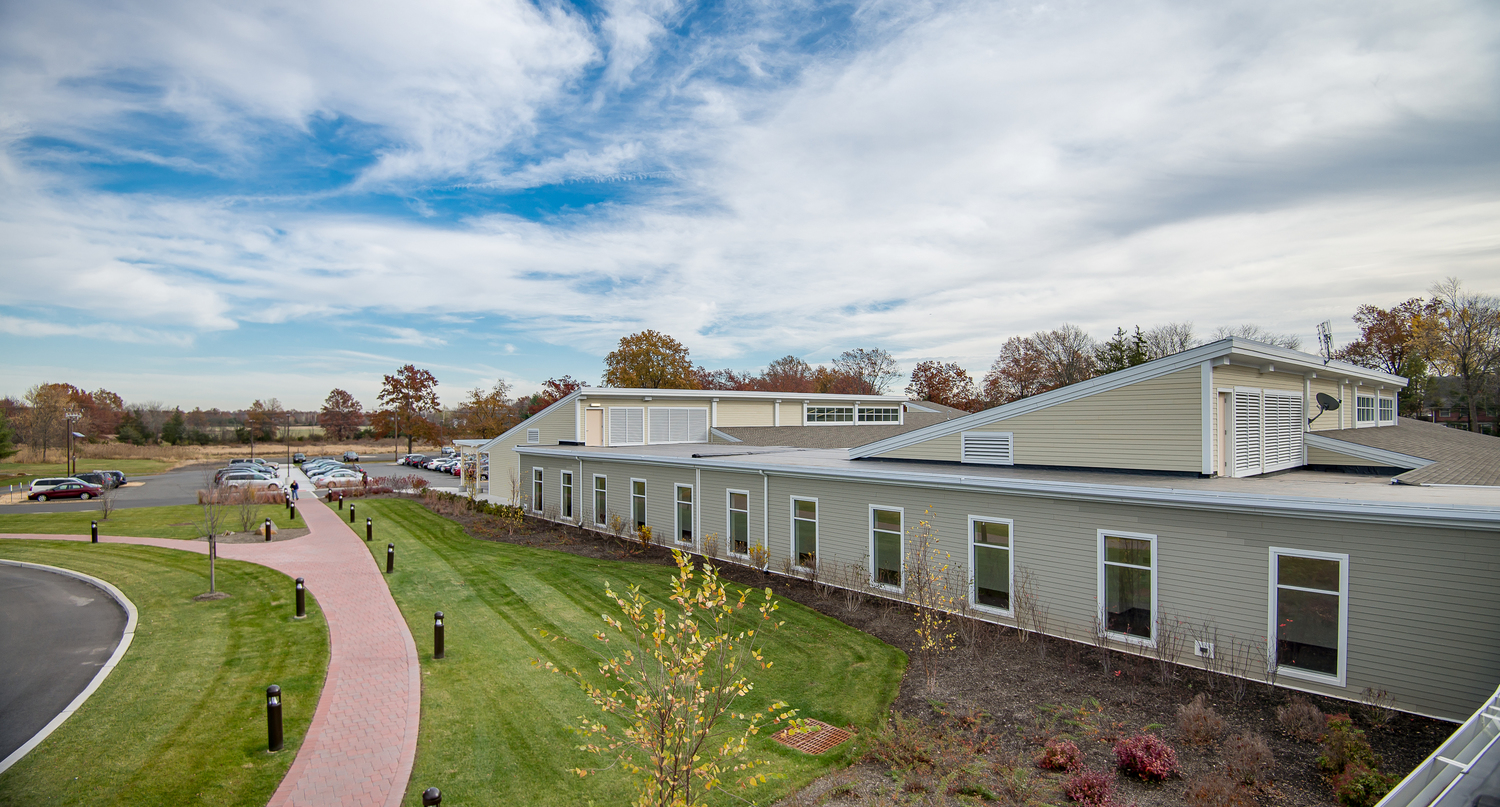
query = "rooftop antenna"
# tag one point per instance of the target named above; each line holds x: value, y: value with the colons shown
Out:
x: 1325, y: 340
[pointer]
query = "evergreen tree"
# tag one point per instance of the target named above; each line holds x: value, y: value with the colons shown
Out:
x: 174, y: 431
x: 7, y: 437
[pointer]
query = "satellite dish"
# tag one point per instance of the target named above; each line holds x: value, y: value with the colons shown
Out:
x: 1328, y: 402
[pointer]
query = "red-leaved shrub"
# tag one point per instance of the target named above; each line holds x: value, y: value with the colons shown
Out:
x: 1060, y: 755
x: 1147, y: 756
x: 1091, y: 787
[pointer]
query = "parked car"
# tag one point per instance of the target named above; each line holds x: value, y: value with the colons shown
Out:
x: 71, y: 489
x: 243, y: 469
x: 337, y: 478
x: 246, y: 479
x: 449, y: 451
x: 103, y: 479
x: 299, y: 458
x: 351, y: 456
x: 43, y: 485
x: 255, y: 461
x: 310, y: 467
x: 411, y: 459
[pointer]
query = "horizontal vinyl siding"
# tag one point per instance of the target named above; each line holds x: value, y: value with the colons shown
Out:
x: 1319, y: 456
x: 940, y: 449
x: 747, y: 413
x: 791, y: 413
x: 1422, y: 602
x: 1328, y: 421
x: 1154, y: 425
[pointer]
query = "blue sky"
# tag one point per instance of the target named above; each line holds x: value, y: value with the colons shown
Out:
x: 204, y: 203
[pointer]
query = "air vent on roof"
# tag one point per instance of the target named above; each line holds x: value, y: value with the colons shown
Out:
x: 989, y: 448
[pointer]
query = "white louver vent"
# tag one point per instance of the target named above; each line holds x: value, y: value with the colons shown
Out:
x: 1247, y: 433
x: 679, y: 424
x: 627, y: 426
x: 989, y: 448
x: 533, y: 435
x: 1283, y: 426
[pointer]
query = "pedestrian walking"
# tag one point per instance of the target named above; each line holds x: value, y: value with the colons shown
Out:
x: 294, y: 490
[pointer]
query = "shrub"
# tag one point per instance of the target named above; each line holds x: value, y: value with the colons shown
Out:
x: 1360, y: 786
x: 1248, y: 759
x: 1301, y: 720
x: 1060, y: 755
x: 1146, y: 756
x: 1216, y: 790
x: 1345, y: 745
x: 1091, y: 787
x: 1198, y: 723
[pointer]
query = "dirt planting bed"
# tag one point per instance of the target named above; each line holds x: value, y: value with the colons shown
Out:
x: 1000, y: 695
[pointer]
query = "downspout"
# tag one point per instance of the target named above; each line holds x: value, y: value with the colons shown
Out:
x: 697, y: 507
x: 578, y: 518
x: 765, y: 517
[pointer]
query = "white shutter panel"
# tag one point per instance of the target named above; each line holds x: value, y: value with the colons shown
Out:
x: 660, y: 422
x: 989, y: 448
x: 679, y: 424
x: 1283, y: 426
x: 635, y: 426
x: 678, y: 419
x: 697, y: 425
x: 1247, y: 433
x: 617, y: 426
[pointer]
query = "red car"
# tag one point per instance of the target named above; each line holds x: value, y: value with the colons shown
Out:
x: 67, y: 490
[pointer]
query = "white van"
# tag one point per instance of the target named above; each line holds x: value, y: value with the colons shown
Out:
x: 48, y: 484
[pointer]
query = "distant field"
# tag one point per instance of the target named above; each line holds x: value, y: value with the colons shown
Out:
x: 18, y: 473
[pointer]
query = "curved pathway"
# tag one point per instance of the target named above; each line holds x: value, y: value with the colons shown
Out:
x: 363, y: 738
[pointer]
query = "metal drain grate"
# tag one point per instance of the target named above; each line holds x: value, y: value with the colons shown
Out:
x: 817, y: 738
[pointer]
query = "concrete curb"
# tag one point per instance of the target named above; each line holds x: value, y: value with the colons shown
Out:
x: 125, y: 639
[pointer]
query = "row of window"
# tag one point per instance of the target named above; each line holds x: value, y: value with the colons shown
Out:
x: 1368, y: 407
x: 853, y: 414
x: 1308, y: 603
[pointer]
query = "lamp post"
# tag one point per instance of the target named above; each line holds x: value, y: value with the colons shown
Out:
x: 71, y: 418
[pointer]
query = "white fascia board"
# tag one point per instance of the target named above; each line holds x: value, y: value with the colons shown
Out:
x: 1248, y: 352
x: 1440, y: 515
x: 1392, y: 458
x: 489, y: 445
x: 632, y: 392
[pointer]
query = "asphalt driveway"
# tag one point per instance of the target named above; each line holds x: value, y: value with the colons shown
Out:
x: 55, y: 633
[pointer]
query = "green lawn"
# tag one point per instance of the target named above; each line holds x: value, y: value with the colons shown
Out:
x: 497, y: 731
x: 182, y: 719
x: 18, y: 473
x: 174, y: 521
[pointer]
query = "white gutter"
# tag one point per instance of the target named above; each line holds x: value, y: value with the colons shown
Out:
x: 1364, y: 452
x: 1443, y: 772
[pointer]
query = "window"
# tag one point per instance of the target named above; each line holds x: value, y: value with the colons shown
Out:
x: 988, y: 448
x: 991, y: 561
x: 678, y: 424
x: 533, y: 435
x: 880, y: 414
x: 685, y: 514
x: 1127, y: 585
x: 1309, y: 613
x: 1387, y: 411
x: 601, y: 501
x: 885, y: 546
x: 627, y: 426
x: 536, y: 489
x: 567, y: 494
x: 739, y: 522
x: 830, y: 414
x: 638, y: 503
x: 805, y: 532
x: 1364, y: 409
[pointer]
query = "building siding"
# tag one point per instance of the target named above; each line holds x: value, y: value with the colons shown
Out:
x: 1320, y: 456
x: 746, y: 413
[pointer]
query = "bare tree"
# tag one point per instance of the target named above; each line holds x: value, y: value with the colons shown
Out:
x: 1256, y: 333
x: 213, y: 521
x: 1173, y: 337
x: 1068, y: 355
x: 874, y: 366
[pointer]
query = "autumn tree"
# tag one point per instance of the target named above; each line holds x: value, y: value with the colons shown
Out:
x: 1463, y: 340
x: 872, y: 366
x: 263, y: 417
x: 341, y: 416
x: 788, y: 374
x: 43, y: 424
x: 946, y: 384
x: 1256, y: 333
x: 407, y: 399
x: 487, y: 413
x: 1018, y: 372
x: 1121, y: 351
x: 725, y: 379
x: 649, y: 360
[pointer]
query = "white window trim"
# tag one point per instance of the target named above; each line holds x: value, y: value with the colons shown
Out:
x: 1292, y: 672
x: 1011, y: 572
x: 645, y: 503
x: 600, y: 516
x: 1374, y: 410
x: 729, y: 512
x: 538, y: 480
x: 900, y: 413
x: 1155, y: 586
x: 564, y: 482
x: 1380, y: 420
x: 792, y: 536
x: 900, y: 552
x: 808, y: 407
x: 677, y: 518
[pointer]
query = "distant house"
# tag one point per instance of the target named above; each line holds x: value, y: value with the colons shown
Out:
x: 1203, y: 503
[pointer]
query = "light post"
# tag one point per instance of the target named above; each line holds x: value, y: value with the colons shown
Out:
x: 71, y: 418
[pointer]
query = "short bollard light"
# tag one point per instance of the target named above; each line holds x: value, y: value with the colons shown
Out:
x: 293, y: 511
x: 341, y: 501
x: 432, y: 797
x: 351, y: 514
x: 94, y: 532
x: 273, y: 717
x: 437, y: 635
x: 369, y: 529
x: 390, y: 558
x: 301, y: 599
x: 268, y: 529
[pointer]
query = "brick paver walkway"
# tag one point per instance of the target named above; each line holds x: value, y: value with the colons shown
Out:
x: 363, y: 738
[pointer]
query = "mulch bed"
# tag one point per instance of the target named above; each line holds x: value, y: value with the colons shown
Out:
x: 998, y: 698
